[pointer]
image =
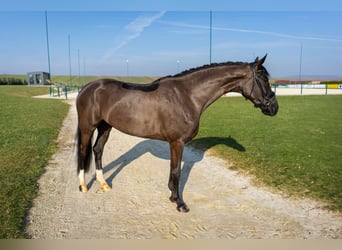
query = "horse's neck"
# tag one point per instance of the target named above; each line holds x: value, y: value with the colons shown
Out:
x: 205, y: 87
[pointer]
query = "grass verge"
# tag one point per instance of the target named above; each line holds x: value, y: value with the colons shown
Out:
x: 297, y: 152
x: 28, y: 130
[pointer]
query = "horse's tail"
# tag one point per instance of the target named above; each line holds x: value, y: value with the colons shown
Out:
x: 88, y: 155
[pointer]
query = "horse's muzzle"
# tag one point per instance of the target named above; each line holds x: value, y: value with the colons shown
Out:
x: 269, y: 106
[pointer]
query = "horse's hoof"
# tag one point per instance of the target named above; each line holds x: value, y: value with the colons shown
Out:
x: 183, y: 208
x: 83, y: 188
x: 105, y: 187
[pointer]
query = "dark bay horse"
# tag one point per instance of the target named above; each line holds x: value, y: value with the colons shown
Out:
x: 168, y: 109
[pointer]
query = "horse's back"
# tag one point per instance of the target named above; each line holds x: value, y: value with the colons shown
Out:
x: 89, y: 91
x: 92, y: 86
x: 115, y: 85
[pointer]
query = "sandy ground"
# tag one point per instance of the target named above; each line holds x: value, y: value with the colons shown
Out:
x: 223, y: 203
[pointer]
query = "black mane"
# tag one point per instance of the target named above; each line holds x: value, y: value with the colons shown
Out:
x: 155, y: 84
x: 142, y: 87
x: 206, y: 66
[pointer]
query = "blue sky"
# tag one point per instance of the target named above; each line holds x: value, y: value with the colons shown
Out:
x: 162, y: 40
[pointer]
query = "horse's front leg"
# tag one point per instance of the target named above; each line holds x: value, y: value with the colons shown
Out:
x: 176, y: 149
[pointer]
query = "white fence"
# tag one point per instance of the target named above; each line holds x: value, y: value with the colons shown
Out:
x: 307, y: 89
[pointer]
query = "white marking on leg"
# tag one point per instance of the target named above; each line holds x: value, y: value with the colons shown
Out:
x: 99, y: 175
x: 81, y: 176
x: 83, y: 185
x: 100, y: 178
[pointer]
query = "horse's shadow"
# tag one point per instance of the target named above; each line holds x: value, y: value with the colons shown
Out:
x: 193, y: 152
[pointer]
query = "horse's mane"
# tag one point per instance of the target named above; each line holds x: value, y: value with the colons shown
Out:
x: 206, y: 66
x: 142, y: 87
x: 155, y: 84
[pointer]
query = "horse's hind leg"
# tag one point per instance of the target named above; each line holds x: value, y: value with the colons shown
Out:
x: 83, y: 155
x: 102, y: 137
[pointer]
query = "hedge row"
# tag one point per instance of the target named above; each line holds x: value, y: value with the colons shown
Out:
x: 12, y: 81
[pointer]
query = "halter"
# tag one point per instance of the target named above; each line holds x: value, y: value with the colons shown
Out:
x: 266, y: 98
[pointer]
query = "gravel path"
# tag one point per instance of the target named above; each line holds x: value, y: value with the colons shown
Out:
x: 222, y: 202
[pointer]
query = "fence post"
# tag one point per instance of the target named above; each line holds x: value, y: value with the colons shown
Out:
x: 326, y: 89
x: 301, y: 89
x: 66, y: 94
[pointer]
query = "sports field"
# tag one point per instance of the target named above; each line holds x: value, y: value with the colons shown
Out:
x: 296, y: 153
x: 28, y: 130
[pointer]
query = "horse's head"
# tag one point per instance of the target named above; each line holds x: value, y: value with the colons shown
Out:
x: 258, y: 88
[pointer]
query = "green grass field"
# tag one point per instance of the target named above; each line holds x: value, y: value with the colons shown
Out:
x: 298, y: 152
x: 28, y: 130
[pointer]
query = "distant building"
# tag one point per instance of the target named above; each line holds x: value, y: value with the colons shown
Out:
x: 38, y: 78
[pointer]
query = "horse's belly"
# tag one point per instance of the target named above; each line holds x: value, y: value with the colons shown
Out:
x: 138, y: 124
x: 151, y: 121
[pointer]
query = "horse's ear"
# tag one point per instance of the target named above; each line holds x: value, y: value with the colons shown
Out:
x: 258, y: 62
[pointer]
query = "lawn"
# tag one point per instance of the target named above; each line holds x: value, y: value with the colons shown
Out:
x: 28, y: 130
x: 297, y: 153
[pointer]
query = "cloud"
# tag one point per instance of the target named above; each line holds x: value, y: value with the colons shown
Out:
x: 276, y: 34
x: 267, y: 33
x: 133, y: 30
x: 251, y: 44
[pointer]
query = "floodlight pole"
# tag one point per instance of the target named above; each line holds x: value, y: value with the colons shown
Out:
x: 127, y: 68
x: 211, y: 36
x: 84, y: 66
x: 69, y: 59
x: 300, y: 67
x: 47, y: 41
x: 79, y: 67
